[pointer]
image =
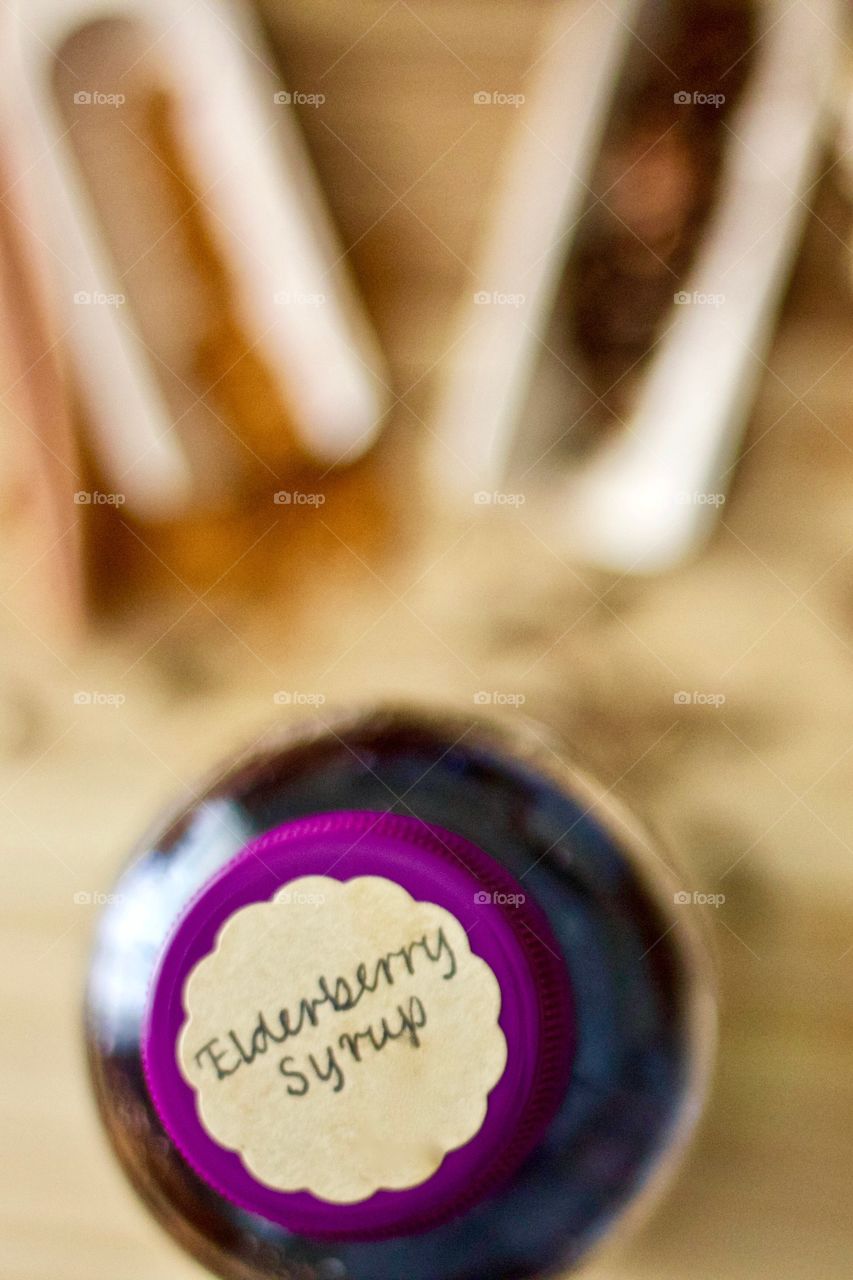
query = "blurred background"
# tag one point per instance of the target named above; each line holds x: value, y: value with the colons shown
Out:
x: 269, y: 279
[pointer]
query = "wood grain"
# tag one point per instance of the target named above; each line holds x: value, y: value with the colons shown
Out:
x: 754, y: 794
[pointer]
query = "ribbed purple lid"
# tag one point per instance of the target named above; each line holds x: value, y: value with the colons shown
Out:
x: 505, y: 928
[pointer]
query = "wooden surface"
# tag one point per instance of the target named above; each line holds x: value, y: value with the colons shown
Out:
x: 371, y: 598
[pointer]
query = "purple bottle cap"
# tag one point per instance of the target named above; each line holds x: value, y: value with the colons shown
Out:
x: 502, y: 927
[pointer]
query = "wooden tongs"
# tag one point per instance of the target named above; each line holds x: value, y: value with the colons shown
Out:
x: 645, y: 498
x: 266, y: 227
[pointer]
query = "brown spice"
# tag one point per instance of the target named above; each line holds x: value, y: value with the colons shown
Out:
x: 655, y: 184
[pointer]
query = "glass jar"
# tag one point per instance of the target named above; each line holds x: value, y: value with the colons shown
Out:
x: 401, y: 994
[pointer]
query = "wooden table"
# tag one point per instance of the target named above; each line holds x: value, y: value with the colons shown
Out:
x: 377, y: 600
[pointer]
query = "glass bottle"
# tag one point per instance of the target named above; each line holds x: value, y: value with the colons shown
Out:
x: 446, y: 1019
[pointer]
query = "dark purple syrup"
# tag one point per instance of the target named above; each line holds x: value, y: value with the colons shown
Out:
x: 633, y: 1078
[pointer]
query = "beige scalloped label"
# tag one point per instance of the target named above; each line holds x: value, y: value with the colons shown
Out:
x: 342, y: 1038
